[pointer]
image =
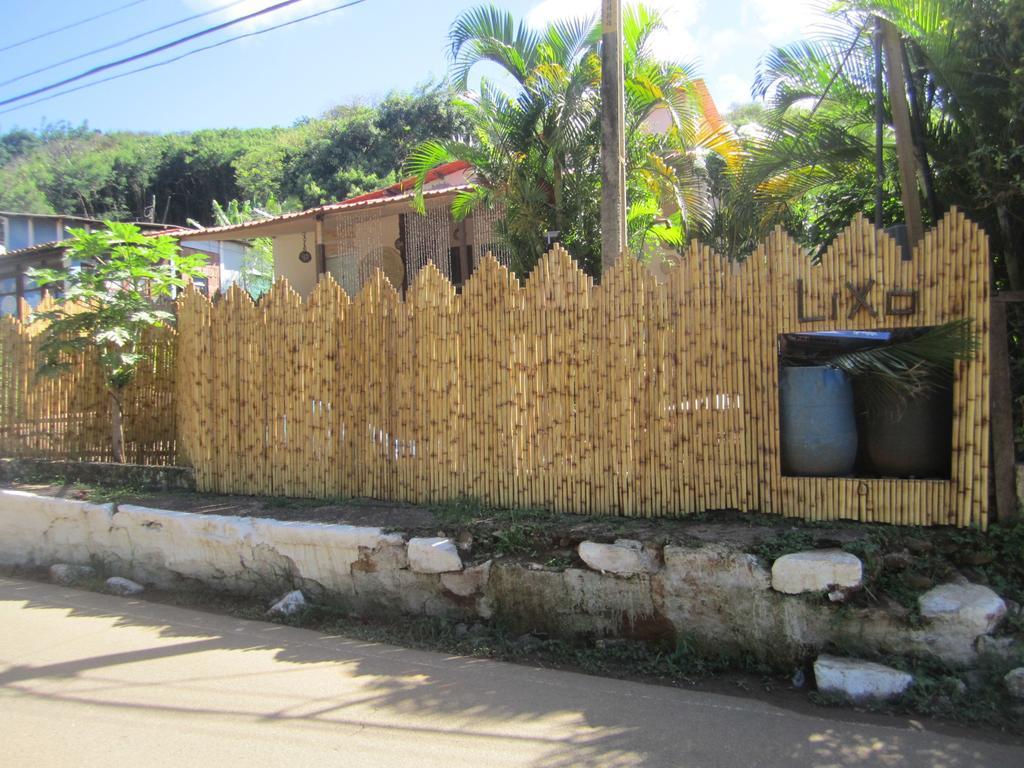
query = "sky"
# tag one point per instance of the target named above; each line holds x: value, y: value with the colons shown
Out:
x: 354, y: 54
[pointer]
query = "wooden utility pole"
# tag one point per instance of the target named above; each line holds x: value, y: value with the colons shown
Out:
x: 876, y: 45
x: 1004, y: 457
x: 613, y: 136
x: 905, y: 155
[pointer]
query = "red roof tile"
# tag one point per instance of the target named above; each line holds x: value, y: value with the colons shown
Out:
x: 407, y: 184
x: 345, y: 205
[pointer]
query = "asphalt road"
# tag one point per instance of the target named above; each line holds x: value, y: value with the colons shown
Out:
x: 92, y: 680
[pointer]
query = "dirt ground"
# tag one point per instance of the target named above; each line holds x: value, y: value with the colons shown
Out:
x: 545, y: 529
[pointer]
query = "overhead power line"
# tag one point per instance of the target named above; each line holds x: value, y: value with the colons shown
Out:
x: 72, y: 25
x: 151, y: 51
x: 185, y: 55
x: 124, y: 41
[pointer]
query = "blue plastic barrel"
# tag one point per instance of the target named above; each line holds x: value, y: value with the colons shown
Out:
x: 818, y: 421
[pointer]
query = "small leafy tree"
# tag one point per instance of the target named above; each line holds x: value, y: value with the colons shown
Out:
x: 118, y: 285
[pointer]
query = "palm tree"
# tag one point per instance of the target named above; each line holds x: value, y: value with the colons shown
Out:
x: 816, y: 161
x: 536, y: 150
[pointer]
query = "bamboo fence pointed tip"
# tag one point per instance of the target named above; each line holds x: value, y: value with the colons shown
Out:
x: 630, y: 397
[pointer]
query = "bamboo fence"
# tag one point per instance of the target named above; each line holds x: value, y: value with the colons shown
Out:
x: 632, y: 397
x: 68, y: 416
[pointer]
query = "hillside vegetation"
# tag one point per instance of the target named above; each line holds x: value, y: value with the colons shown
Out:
x: 174, y: 177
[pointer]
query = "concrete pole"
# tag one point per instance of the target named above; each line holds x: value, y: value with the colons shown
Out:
x: 613, y: 136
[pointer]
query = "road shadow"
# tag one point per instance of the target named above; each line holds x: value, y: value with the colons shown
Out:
x: 597, y: 722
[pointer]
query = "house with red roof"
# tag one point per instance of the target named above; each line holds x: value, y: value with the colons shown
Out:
x: 382, y: 229
x: 351, y: 239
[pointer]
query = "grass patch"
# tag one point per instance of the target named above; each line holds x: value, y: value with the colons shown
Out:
x: 784, y: 544
x: 904, y: 562
x: 105, y: 494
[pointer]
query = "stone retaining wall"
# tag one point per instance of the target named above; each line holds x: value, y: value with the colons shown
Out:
x: 155, y: 478
x: 712, y: 594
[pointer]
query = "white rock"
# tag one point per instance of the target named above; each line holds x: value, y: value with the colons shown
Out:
x: 970, y: 608
x: 859, y: 680
x: 289, y: 605
x: 623, y: 558
x: 1014, y: 680
x: 471, y: 581
x: 433, y: 555
x: 118, y: 585
x: 817, y: 570
x: 63, y: 573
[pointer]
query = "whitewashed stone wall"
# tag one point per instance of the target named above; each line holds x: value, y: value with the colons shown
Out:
x: 712, y: 594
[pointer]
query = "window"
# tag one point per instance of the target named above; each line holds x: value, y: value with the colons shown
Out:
x: 17, y: 234
x: 15, y: 284
x: 44, y: 231
x: 9, y: 294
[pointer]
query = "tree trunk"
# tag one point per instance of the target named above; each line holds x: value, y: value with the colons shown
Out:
x: 1012, y: 255
x: 905, y: 153
x: 117, y: 426
x: 559, y: 197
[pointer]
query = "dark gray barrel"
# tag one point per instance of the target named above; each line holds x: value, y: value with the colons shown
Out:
x: 913, y: 439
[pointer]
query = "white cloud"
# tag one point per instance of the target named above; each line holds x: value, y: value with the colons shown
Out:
x: 725, y: 38
x: 674, y: 43
x: 730, y: 89
x: 778, y: 21
x: 549, y: 10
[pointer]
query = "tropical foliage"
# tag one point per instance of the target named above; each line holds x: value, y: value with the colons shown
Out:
x: 115, y: 290
x: 536, y: 147
x: 174, y: 177
x: 812, y: 165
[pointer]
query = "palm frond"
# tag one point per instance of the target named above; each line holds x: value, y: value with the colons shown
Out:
x: 488, y: 33
x: 890, y: 374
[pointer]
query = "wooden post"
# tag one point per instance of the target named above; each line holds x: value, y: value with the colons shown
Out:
x: 1003, y: 451
x: 613, y: 136
x: 464, y: 263
x: 320, y: 250
x: 402, y: 254
x: 906, y: 158
x: 920, y: 145
x: 876, y: 41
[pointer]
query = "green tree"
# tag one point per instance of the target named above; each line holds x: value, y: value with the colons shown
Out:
x: 20, y: 190
x: 966, y: 59
x: 109, y: 299
x: 17, y: 143
x: 355, y: 148
x: 535, y: 151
